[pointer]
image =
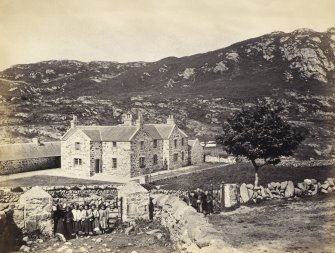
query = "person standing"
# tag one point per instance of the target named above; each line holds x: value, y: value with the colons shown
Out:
x: 68, y: 219
x: 76, y: 212
x: 103, y: 217
x: 59, y: 217
x: 85, y: 220
x: 90, y: 220
x: 151, y: 209
x: 95, y: 223
x: 209, y: 201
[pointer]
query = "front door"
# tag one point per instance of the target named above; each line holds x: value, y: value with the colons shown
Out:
x: 97, y: 166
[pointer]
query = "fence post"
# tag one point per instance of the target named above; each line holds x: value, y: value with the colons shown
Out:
x: 221, y: 194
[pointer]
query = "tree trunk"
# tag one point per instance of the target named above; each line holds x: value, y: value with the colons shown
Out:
x: 256, y: 176
x: 256, y: 172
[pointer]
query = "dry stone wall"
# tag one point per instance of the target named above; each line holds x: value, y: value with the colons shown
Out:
x: 32, y: 164
x: 189, y: 230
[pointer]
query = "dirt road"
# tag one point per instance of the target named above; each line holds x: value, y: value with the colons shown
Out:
x: 305, y: 225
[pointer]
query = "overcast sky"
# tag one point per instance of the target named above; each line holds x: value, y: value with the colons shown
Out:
x: 147, y: 30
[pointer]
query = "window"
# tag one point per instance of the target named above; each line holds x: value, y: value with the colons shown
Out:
x: 142, y: 162
x: 114, y: 163
x: 114, y: 144
x: 182, y: 141
x: 77, y: 145
x: 155, y: 143
x: 155, y: 159
x: 77, y: 162
x: 182, y: 156
x: 175, y: 143
x: 142, y: 145
x: 175, y: 157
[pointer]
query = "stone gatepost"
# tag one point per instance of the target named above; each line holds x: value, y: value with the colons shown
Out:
x: 230, y: 195
x: 37, y: 208
x: 135, y: 200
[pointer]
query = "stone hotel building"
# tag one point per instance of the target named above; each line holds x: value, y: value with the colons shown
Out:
x: 127, y: 150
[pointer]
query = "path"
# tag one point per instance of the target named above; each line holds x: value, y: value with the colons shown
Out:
x: 154, y: 176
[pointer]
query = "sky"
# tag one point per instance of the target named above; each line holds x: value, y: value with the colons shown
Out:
x: 144, y: 30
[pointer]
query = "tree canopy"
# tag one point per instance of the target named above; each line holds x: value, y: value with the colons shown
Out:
x: 261, y: 135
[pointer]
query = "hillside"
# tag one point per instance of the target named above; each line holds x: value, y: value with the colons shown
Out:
x: 296, y: 68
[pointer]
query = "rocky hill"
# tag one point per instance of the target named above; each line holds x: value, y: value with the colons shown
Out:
x: 295, y: 68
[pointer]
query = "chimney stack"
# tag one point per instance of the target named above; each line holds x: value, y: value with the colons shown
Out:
x: 127, y: 119
x: 170, y: 120
x: 74, y: 122
x: 139, y: 121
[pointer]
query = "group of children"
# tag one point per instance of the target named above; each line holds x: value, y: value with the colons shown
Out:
x: 202, y: 201
x: 73, y: 220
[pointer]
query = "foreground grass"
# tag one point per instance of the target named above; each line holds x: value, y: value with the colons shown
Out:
x: 244, y: 173
x: 44, y: 180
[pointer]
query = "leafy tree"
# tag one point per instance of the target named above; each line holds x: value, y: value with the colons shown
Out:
x: 261, y: 135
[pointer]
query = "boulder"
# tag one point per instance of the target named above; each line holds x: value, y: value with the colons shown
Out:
x: 244, y: 193
x: 308, y: 181
x: 267, y: 190
x: 283, y: 185
x: 271, y: 186
x: 128, y: 230
x: 325, y: 185
x: 263, y: 194
x: 277, y: 185
x: 330, y: 181
x: 330, y: 190
x: 324, y: 191
x: 151, y: 232
x: 297, y: 192
x: 251, y: 193
x: 301, y: 186
x: 289, y: 191
x: 250, y: 186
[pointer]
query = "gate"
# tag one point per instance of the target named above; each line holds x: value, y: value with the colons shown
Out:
x: 115, y: 213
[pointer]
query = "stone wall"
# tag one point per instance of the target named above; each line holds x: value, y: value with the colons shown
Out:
x: 286, y: 189
x: 180, y: 148
x: 189, y: 230
x: 146, y: 152
x: 32, y: 164
x: 69, y: 152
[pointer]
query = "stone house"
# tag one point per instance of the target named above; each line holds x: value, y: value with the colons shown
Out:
x: 126, y: 150
x: 195, y: 152
x: 22, y: 157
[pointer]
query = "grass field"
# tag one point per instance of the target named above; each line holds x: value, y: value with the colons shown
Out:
x: 244, y: 173
x: 44, y: 180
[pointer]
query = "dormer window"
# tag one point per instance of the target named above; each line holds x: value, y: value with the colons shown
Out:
x: 77, y: 145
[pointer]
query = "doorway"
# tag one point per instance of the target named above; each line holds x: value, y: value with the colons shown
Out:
x: 97, y: 166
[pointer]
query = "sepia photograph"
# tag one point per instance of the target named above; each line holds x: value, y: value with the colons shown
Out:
x: 180, y: 126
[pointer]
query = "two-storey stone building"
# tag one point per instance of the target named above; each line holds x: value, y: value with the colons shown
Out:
x: 126, y: 150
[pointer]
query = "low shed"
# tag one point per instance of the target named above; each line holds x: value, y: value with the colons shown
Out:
x: 23, y: 157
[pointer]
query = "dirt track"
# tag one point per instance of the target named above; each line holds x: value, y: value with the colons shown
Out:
x: 305, y: 225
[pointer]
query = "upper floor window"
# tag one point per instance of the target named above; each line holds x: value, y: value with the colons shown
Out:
x: 142, y: 162
x: 182, y: 156
x: 175, y: 157
x: 77, y: 145
x: 77, y: 162
x: 114, y: 163
x: 182, y: 141
x: 142, y: 145
x: 155, y: 160
x: 114, y: 144
x: 175, y: 143
x: 155, y: 143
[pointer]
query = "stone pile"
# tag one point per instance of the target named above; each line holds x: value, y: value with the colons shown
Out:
x: 189, y: 230
x: 285, y: 189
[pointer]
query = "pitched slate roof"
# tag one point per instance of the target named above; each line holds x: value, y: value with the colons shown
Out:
x: 163, y: 130
x: 152, y: 131
x: 21, y: 151
x: 191, y: 142
x: 105, y: 133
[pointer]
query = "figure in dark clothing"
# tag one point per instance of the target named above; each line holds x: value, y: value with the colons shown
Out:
x: 68, y: 222
x: 209, y: 203
x: 193, y: 200
x: 59, y: 220
x: 151, y: 209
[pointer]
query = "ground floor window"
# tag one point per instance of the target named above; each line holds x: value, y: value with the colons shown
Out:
x: 114, y: 163
x: 77, y: 162
x: 155, y: 159
x: 142, y: 162
x: 175, y: 157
